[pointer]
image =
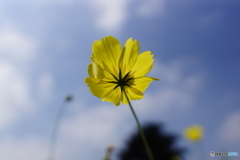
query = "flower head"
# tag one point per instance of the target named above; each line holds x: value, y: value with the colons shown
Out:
x: 194, y: 133
x: 114, y: 69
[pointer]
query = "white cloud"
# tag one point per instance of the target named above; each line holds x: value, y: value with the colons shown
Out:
x: 45, y: 85
x: 47, y: 2
x: 175, y: 91
x: 109, y: 15
x: 229, y: 131
x: 31, y: 148
x: 150, y: 7
x: 100, y: 120
x: 17, y: 51
x: 14, y: 94
x: 93, y: 129
x: 16, y: 46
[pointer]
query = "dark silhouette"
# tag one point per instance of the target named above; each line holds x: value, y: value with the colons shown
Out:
x: 161, y: 144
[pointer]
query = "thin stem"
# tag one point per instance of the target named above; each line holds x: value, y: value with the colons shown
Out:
x: 149, y: 153
x: 54, y: 134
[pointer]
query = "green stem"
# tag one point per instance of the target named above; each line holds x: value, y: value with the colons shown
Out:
x: 54, y: 134
x: 56, y: 125
x: 149, y: 153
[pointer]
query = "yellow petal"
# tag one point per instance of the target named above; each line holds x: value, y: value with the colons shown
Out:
x: 107, y: 51
x: 95, y: 70
x: 97, y: 87
x: 142, y: 83
x: 135, y: 94
x: 132, y: 93
x: 143, y: 64
x: 129, y: 55
x: 114, y: 96
x: 90, y: 71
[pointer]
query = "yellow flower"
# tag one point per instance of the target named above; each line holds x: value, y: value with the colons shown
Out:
x: 114, y: 69
x: 194, y: 133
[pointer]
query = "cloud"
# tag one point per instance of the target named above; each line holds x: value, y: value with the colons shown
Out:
x: 45, y: 85
x: 176, y: 90
x: 14, y: 94
x: 93, y: 129
x: 17, y: 51
x: 148, y: 8
x: 31, y: 148
x: 109, y: 15
x: 229, y: 131
x: 16, y: 46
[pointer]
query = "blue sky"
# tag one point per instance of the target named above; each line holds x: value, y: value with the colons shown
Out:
x: 45, y: 47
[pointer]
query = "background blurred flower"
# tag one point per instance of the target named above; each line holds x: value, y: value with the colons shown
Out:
x: 194, y: 133
x: 108, y: 152
x: 114, y: 69
x: 69, y: 98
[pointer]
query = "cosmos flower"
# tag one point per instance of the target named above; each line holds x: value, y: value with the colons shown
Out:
x: 114, y: 69
x: 194, y: 133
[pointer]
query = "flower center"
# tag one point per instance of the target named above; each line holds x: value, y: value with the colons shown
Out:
x: 121, y: 81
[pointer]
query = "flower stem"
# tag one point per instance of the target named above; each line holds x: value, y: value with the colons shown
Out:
x: 54, y: 134
x: 148, y: 150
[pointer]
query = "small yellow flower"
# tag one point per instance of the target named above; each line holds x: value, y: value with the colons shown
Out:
x: 114, y: 69
x: 194, y: 133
